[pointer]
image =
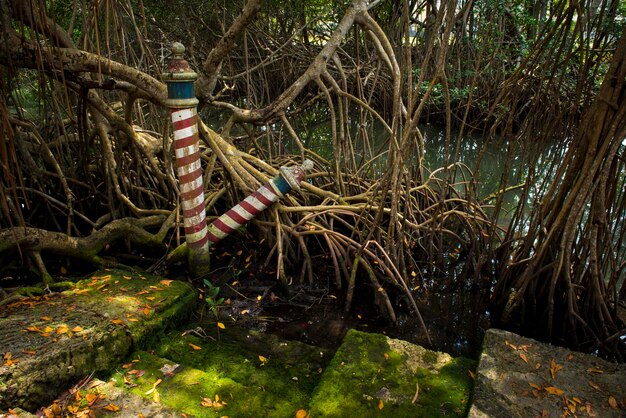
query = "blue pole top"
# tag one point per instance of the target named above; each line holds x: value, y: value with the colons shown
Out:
x: 179, y: 79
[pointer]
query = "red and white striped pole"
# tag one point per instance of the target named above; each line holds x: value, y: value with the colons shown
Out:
x: 182, y: 102
x: 288, y: 179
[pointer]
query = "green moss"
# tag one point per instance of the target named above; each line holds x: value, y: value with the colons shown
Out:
x: 368, y: 377
x: 243, y: 386
x: 145, y: 304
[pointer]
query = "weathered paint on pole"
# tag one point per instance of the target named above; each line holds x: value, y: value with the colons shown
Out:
x: 182, y: 102
x: 289, y: 178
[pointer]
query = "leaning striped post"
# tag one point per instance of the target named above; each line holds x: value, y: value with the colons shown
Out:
x: 182, y: 102
x: 289, y: 178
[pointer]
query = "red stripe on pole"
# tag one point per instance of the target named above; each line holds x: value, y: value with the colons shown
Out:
x: 185, y: 123
x: 262, y: 198
x: 199, y: 244
x: 222, y: 226
x: 185, y: 142
x: 212, y: 237
x: 236, y: 217
x: 189, y: 177
x: 249, y: 208
x: 192, y: 229
x: 188, y: 213
x: 192, y: 194
x: 188, y: 159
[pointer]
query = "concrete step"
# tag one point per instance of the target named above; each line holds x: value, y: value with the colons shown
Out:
x: 49, y: 343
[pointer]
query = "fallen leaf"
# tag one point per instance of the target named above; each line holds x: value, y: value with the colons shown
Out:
x: 523, y: 357
x: 220, y: 325
x: 381, y: 405
x: 77, y: 328
x: 46, y: 318
x: 62, y: 329
x: 132, y: 319
x: 157, y: 383
x: 301, y: 413
x: 33, y: 328
x: 263, y: 360
x: 111, y: 407
x: 594, y: 370
x: 48, y: 329
x: 195, y: 347
x: 156, y: 396
x: 612, y: 402
x: 471, y: 373
x: 166, y: 282
x: 594, y: 385
x: 554, y: 368
x: 553, y: 390
x: 506, y: 342
x: 91, y: 398
x: 169, y: 369
x: 146, y: 311
x: 8, y: 361
x: 29, y: 352
x: 118, y: 321
x: 207, y: 402
x: 535, y: 386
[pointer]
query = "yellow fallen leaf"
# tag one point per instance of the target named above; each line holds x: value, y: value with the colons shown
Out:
x: 111, y: 407
x: 553, y: 390
x: 48, y: 329
x: 535, y: 386
x: 91, y: 398
x: 612, y: 402
x: 33, y: 328
x: 263, y: 360
x: 523, y: 357
x: 195, y: 347
x: 220, y: 325
x: 207, y: 402
x: 554, y: 368
x: 381, y: 405
x: 118, y: 321
x: 46, y: 318
x: 62, y: 329
x: 146, y: 311
x: 301, y: 413
x: 77, y: 328
x: 166, y: 282
x: 157, y: 383
x: 133, y: 319
x: 506, y: 342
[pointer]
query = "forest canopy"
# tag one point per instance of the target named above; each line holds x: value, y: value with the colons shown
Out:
x: 87, y: 158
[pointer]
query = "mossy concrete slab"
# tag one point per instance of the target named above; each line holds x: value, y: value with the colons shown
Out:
x: 521, y: 377
x: 372, y: 375
x: 48, y: 343
x: 250, y: 374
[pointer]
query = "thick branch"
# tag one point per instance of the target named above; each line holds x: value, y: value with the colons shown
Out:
x: 86, y: 248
